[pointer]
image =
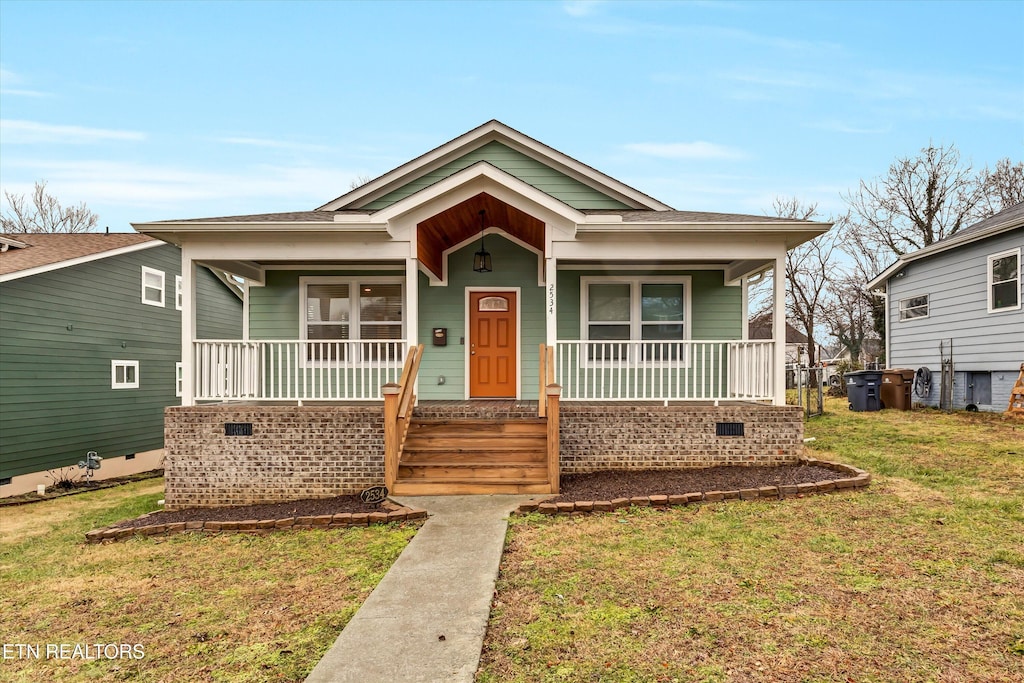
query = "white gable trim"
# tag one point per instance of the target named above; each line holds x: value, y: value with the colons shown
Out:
x: 478, y: 137
x: 28, y: 272
x: 938, y: 248
x: 471, y: 181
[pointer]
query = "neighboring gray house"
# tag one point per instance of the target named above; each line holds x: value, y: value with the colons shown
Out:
x: 959, y: 301
x: 90, y: 350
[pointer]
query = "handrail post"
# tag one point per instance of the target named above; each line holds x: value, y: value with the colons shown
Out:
x: 391, y: 392
x: 542, y: 373
x: 553, y: 392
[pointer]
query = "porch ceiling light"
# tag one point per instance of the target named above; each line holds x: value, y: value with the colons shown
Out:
x: 482, y: 258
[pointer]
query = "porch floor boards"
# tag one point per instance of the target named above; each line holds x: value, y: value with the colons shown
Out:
x: 474, y: 447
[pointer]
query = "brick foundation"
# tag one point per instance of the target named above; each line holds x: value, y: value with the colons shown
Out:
x: 613, y: 436
x: 298, y: 452
x: 294, y: 452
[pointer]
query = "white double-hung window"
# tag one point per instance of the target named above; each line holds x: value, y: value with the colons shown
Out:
x: 649, y: 315
x: 368, y: 312
x: 1004, y: 281
x: 152, y: 286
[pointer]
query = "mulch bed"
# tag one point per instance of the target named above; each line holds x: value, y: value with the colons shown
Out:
x: 631, y: 483
x: 239, y: 513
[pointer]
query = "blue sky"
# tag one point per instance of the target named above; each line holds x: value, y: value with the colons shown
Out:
x: 152, y: 110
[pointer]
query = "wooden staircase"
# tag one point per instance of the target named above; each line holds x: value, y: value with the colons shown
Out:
x: 474, y: 455
x: 1016, y: 406
x: 471, y: 447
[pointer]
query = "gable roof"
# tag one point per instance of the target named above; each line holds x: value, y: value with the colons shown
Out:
x: 760, y: 327
x: 50, y: 251
x: 492, y: 131
x: 1008, y: 219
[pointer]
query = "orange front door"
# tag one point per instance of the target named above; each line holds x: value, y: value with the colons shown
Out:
x: 492, y: 344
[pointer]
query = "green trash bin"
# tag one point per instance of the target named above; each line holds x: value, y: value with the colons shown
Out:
x: 896, y: 388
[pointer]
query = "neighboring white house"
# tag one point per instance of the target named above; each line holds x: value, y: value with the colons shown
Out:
x: 954, y: 309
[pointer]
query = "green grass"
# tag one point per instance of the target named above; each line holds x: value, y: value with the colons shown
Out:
x: 918, y: 578
x: 228, y: 607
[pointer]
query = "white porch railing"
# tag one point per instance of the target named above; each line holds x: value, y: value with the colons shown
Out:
x: 665, y: 371
x: 295, y: 370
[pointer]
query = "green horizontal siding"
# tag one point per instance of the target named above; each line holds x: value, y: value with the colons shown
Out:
x: 530, y: 171
x: 55, y: 397
x: 446, y: 307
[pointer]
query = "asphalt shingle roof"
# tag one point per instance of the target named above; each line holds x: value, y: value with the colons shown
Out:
x: 48, y: 248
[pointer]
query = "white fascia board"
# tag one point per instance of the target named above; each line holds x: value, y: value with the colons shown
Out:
x: 28, y: 272
x: 478, y: 137
x: 792, y: 234
x: 11, y: 242
x: 658, y: 249
x: 938, y: 248
x: 467, y: 181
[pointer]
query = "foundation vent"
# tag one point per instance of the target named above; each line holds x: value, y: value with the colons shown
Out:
x: 728, y: 429
x: 238, y: 429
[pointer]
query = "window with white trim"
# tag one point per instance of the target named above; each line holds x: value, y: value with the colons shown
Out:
x: 179, y: 379
x: 914, y: 307
x: 1004, y: 281
x: 152, y: 286
x: 124, y: 374
x: 179, y: 299
x: 367, y: 310
x: 652, y: 310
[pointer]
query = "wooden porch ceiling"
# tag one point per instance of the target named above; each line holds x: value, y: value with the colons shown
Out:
x: 462, y: 221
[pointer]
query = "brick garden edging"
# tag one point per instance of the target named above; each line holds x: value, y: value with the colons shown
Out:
x: 855, y: 478
x: 394, y: 513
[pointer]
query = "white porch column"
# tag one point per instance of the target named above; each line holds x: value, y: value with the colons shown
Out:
x: 779, y: 329
x: 550, y: 302
x: 188, y: 326
x: 412, y: 301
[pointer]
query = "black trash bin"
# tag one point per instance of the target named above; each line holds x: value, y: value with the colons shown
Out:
x: 862, y: 389
x: 896, y: 386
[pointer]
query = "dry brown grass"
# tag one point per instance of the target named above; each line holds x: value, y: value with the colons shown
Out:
x: 204, y: 607
x: 919, y: 578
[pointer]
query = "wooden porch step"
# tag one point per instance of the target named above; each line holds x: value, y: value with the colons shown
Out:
x: 473, y: 455
x: 456, y: 487
x: 491, y: 454
x: 438, y: 427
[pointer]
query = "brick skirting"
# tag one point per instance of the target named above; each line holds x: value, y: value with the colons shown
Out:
x: 615, y: 436
x: 294, y: 452
x: 297, y: 452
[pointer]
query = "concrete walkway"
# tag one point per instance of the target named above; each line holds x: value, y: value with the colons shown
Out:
x: 426, y: 619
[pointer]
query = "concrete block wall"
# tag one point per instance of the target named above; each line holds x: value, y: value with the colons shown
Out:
x: 294, y: 452
x: 607, y: 436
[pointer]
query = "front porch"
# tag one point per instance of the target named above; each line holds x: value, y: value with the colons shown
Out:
x: 248, y: 452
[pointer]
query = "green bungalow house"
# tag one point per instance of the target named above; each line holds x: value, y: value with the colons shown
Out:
x: 89, y: 351
x: 569, y: 323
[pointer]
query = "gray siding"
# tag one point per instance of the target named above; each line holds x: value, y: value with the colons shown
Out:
x: 956, y: 283
x: 60, y: 332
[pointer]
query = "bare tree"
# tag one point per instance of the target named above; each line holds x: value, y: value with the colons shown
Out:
x: 359, y: 181
x: 808, y: 269
x: 45, y: 214
x: 921, y: 200
x: 1002, y: 187
x: 849, y: 312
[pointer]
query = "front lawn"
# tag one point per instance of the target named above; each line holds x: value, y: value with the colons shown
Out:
x: 920, y: 577
x: 231, y: 607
